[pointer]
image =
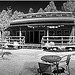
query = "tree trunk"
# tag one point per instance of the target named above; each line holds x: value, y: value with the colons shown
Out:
x: 2, y: 37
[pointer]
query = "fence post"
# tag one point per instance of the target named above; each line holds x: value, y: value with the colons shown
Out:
x: 62, y: 40
x: 47, y: 35
x: 9, y: 39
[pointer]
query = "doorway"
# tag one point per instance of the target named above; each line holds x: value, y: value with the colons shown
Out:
x: 42, y: 33
x: 36, y: 36
x: 31, y: 37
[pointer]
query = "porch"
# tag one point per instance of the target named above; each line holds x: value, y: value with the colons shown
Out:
x: 58, y: 42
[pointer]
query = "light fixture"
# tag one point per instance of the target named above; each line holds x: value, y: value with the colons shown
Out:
x: 62, y: 25
x: 70, y: 49
x: 54, y: 49
x: 33, y: 27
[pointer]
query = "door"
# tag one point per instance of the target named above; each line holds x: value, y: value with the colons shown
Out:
x: 42, y: 33
x: 36, y: 36
x: 31, y: 37
x: 23, y: 33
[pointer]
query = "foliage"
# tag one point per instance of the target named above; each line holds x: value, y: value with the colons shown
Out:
x: 50, y: 7
x: 4, y: 20
x: 17, y: 15
x: 4, y: 23
x: 30, y: 10
x: 9, y: 11
x: 69, y: 6
x: 40, y: 10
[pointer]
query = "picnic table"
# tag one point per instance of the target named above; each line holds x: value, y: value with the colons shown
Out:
x: 52, y: 59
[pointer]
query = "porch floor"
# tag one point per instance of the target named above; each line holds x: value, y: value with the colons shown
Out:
x: 30, y: 45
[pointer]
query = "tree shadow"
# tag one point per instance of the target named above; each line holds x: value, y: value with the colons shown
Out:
x: 5, y: 54
x: 30, y: 68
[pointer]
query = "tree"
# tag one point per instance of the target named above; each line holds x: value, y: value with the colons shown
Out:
x: 30, y: 10
x: 51, y: 7
x: 4, y: 24
x: 48, y: 8
x: 17, y: 15
x: 69, y: 6
x: 9, y: 11
x: 40, y: 10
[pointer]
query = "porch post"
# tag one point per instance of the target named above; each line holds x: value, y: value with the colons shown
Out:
x: 47, y: 34
x: 20, y: 34
x: 73, y: 34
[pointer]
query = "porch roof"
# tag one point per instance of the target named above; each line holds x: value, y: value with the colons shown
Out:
x: 44, y: 21
x: 43, y: 24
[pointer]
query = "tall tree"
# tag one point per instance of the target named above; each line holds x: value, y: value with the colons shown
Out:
x: 69, y: 6
x: 4, y: 24
x: 40, y: 10
x: 51, y: 7
x: 30, y: 10
x: 17, y: 15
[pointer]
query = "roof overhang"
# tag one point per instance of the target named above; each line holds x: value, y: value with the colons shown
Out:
x: 38, y: 20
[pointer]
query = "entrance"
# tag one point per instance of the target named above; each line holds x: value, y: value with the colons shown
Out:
x: 36, y: 36
x: 31, y: 37
x: 42, y: 33
x: 51, y: 33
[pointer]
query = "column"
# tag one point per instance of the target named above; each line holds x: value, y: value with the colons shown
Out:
x: 20, y: 34
x: 47, y: 34
x: 73, y: 34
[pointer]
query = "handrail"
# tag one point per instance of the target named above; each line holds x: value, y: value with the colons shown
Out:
x: 58, y: 39
x: 41, y: 13
x: 19, y: 39
x: 15, y: 36
x: 58, y: 36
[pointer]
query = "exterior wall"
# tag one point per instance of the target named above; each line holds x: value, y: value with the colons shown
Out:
x: 61, y: 31
x: 64, y: 22
x: 34, y: 35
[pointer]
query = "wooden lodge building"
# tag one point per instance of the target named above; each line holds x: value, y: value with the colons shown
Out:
x: 42, y: 27
x: 37, y: 25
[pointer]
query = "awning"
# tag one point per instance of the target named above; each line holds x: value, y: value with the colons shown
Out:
x: 42, y: 20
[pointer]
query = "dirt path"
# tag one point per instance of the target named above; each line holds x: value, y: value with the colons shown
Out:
x: 25, y: 62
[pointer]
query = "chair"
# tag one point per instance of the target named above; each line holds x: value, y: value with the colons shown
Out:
x: 44, y: 69
x: 62, y: 69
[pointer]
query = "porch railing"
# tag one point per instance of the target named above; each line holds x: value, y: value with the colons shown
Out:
x: 19, y: 39
x: 58, y: 40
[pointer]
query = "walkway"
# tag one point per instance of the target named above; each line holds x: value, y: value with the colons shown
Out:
x: 25, y: 61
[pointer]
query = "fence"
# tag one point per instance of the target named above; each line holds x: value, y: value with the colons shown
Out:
x: 58, y: 39
x: 19, y: 39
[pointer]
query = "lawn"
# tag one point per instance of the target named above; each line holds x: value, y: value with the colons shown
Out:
x: 25, y: 61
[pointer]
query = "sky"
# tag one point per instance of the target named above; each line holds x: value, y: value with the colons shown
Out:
x: 24, y: 6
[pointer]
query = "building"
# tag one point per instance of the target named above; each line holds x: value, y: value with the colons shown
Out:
x: 38, y: 24
x: 57, y: 26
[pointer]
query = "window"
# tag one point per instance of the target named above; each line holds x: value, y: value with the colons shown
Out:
x: 23, y: 33
x: 51, y: 33
x: 17, y: 33
x: 66, y: 32
x: 59, y: 33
